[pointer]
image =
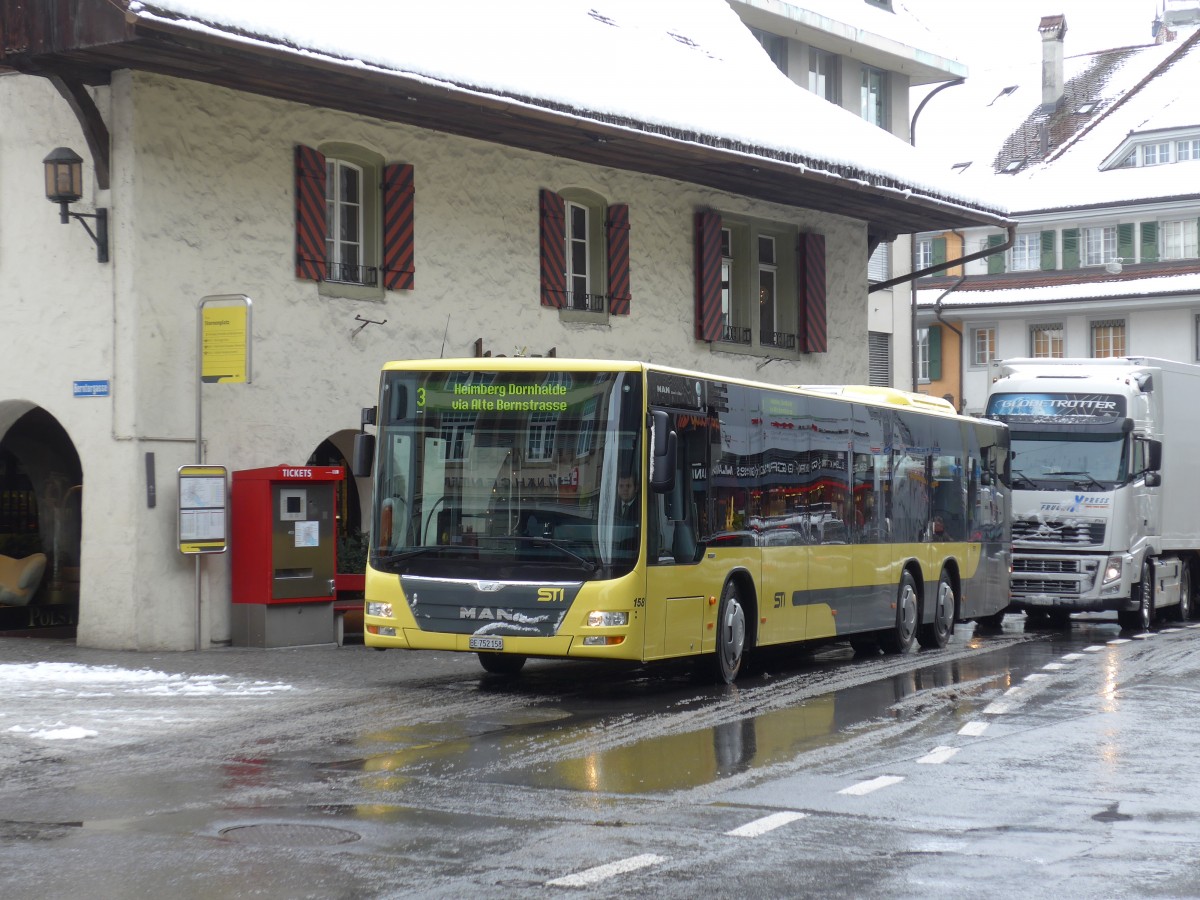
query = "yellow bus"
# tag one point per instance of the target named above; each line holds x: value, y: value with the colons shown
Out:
x: 619, y: 510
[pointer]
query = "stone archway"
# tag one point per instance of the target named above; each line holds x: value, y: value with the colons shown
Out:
x: 41, y: 497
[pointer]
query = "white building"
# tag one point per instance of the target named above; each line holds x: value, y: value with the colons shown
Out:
x: 1098, y: 159
x: 398, y: 181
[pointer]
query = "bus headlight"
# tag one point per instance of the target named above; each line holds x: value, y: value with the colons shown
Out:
x: 598, y: 619
x: 383, y: 610
x: 1112, y: 569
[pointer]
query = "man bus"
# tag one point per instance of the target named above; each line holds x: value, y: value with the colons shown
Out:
x: 766, y: 514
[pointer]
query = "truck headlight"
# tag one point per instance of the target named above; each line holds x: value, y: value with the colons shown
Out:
x: 383, y: 610
x: 598, y: 619
x: 1112, y: 569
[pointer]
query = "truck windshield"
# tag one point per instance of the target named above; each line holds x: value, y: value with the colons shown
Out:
x: 507, y: 475
x: 1093, y: 461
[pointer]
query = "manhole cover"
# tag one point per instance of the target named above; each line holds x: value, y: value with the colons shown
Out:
x: 282, y: 834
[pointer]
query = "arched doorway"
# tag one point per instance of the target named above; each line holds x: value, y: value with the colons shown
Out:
x: 41, y: 496
x: 351, y: 534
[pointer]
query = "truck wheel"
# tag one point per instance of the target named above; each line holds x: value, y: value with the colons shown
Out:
x: 731, y: 635
x: 936, y: 634
x: 1185, y: 610
x: 501, y: 663
x: 899, y: 638
x: 1142, y: 618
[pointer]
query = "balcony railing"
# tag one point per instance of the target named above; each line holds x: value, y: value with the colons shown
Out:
x: 780, y: 339
x: 585, y: 302
x: 735, y: 334
x: 368, y: 276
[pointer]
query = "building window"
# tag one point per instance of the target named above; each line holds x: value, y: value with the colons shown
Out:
x: 1046, y: 341
x: 540, y: 439
x: 983, y: 346
x: 1099, y: 245
x: 1185, y: 150
x: 1156, y: 154
x: 923, y: 355
x: 1178, y: 239
x: 924, y: 253
x: 1108, y: 338
x: 585, y: 443
x: 344, y: 252
x: 822, y: 74
x: 758, y: 284
x: 874, y: 96
x: 879, y: 266
x: 1027, y: 252
x: 776, y: 47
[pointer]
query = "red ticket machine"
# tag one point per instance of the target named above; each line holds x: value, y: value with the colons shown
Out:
x: 284, y: 555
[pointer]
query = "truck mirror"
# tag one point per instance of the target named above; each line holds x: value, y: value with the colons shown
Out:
x: 1153, y: 456
x: 663, y: 453
x: 1153, y: 479
x: 364, y: 454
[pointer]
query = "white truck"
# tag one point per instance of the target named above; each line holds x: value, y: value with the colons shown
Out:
x: 1105, y: 471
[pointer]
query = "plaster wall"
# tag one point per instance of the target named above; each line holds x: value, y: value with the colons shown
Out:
x: 202, y: 204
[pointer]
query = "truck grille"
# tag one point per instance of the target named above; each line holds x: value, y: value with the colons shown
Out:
x: 1060, y: 533
x: 1054, y: 576
x: 1026, y: 586
x: 1046, y: 566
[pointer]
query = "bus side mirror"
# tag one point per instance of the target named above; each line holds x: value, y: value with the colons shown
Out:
x: 364, y: 454
x: 663, y: 453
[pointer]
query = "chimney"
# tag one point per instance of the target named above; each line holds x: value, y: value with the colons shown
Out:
x: 1052, y: 29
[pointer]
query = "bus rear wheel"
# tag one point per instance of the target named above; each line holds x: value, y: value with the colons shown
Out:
x: 936, y: 634
x: 501, y: 663
x: 899, y: 638
x: 731, y: 635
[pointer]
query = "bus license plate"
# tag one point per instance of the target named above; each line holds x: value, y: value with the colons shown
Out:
x: 486, y: 643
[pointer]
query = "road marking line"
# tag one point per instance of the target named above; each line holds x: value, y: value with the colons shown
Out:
x: 1054, y: 667
x: 1036, y: 676
x: 1016, y: 689
x: 996, y: 708
x: 1115, y: 641
x: 1072, y: 656
x: 1167, y: 630
x: 1144, y: 636
x: 1191, y: 626
x: 865, y: 787
x: 1095, y: 648
x: 608, y: 870
x: 938, y: 756
x: 765, y: 824
x: 973, y: 729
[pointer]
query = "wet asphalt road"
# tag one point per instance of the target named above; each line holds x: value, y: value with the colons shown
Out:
x: 1045, y: 763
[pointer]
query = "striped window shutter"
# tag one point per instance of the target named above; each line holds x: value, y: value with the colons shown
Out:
x: 813, y: 336
x: 1125, y: 248
x: 553, y: 215
x: 939, y: 251
x: 1070, y: 248
x: 995, y: 263
x: 1048, y: 259
x: 935, y: 352
x: 310, y: 213
x: 398, y: 214
x: 617, y: 232
x: 708, y: 276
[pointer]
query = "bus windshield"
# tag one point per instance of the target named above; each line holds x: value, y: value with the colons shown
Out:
x: 1095, y: 461
x: 507, y: 475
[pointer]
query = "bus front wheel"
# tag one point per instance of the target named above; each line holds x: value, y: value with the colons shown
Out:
x: 501, y: 663
x: 899, y: 638
x: 731, y: 635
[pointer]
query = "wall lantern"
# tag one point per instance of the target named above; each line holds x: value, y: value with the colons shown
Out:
x: 64, y: 185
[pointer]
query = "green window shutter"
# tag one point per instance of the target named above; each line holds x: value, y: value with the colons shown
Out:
x: 1125, y: 242
x: 995, y: 263
x: 935, y: 352
x: 939, y: 250
x: 1048, y: 260
x: 1070, y: 248
x: 1149, y: 241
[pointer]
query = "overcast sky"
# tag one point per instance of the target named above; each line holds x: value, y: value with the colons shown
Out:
x: 985, y: 34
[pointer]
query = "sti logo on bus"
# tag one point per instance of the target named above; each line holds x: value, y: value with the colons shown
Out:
x: 550, y: 595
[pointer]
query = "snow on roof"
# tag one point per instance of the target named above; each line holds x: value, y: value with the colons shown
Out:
x: 1185, y: 283
x: 991, y: 118
x: 686, y: 66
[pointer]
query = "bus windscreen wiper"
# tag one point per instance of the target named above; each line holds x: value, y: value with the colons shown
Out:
x: 587, y: 564
x: 1019, y: 477
x: 1087, y: 476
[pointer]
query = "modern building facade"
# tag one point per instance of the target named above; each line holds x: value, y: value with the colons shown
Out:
x: 463, y: 191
